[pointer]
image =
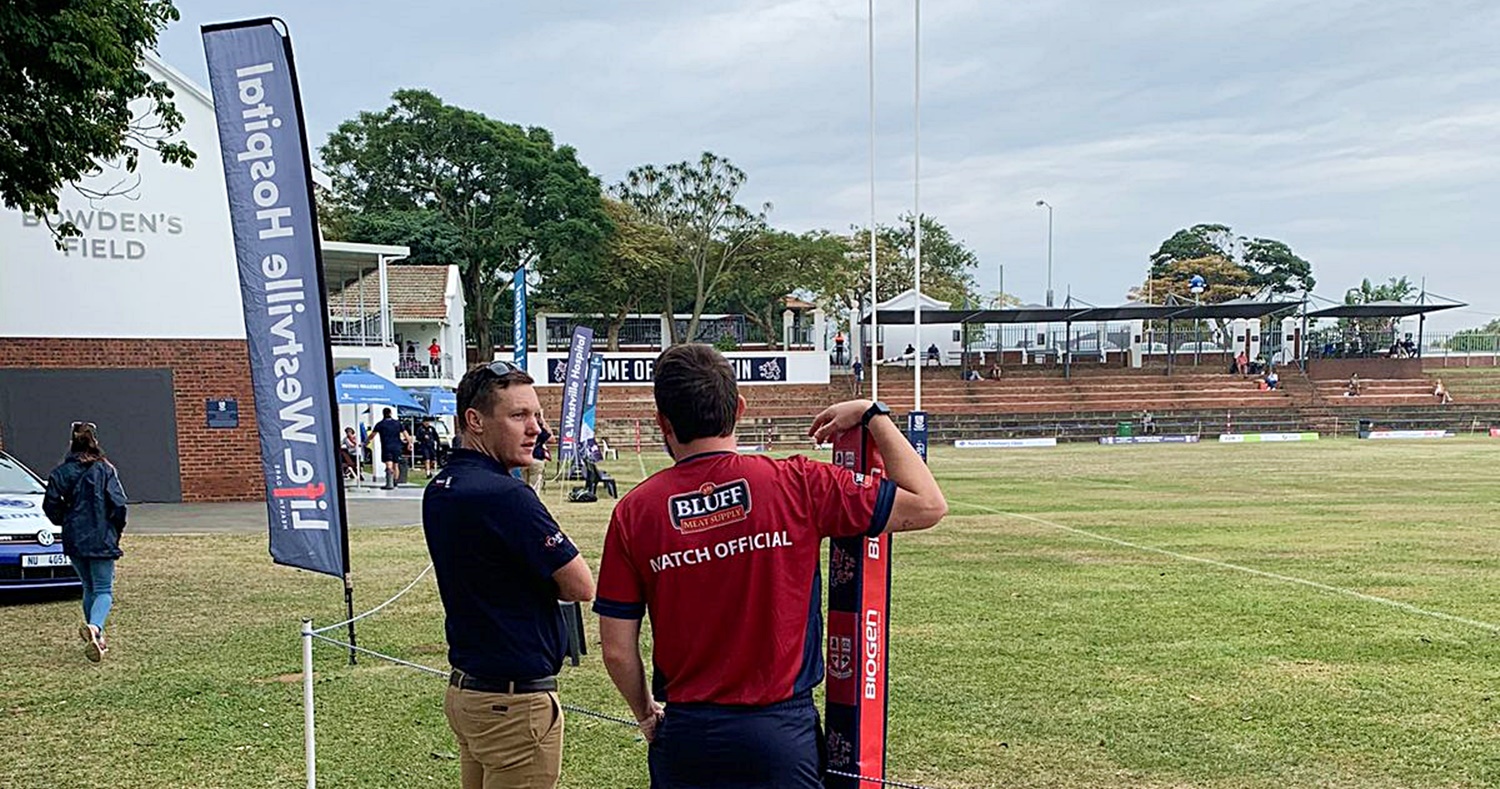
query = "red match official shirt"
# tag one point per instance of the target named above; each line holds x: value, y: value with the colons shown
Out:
x: 722, y: 549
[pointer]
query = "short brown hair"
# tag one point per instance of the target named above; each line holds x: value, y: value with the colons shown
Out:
x: 696, y: 391
x: 480, y: 385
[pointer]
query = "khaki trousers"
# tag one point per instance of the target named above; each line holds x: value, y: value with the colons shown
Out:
x: 536, y: 474
x: 506, y: 740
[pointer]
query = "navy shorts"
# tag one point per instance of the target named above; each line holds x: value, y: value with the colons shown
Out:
x: 390, y: 455
x: 716, y: 746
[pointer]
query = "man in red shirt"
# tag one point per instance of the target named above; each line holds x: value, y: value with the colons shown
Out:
x: 722, y: 551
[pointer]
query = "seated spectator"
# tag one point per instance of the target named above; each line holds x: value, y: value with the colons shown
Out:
x: 1272, y: 380
x: 1409, y: 346
x: 995, y: 371
x: 1441, y: 393
x: 1241, y: 363
x: 910, y: 352
x: 933, y: 354
x: 1352, y: 388
x: 1148, y: 423
x: 972, y: 375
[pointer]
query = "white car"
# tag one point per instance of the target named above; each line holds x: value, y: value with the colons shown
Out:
x: 31, y: 554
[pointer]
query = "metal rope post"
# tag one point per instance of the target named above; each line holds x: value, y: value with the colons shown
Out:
x: 308, y: 726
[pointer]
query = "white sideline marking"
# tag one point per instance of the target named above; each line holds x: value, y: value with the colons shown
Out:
x: 1407, y: 607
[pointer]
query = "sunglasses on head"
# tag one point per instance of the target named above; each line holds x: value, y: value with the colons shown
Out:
x: 503, y: 368
x: 89, y: 425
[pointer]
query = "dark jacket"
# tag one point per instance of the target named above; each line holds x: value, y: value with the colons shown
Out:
x: 88, y: 502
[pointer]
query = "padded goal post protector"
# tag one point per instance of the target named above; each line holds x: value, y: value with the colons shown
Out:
x: 859, y: 599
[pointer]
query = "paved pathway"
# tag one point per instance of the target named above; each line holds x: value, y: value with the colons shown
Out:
x: 368, y: 508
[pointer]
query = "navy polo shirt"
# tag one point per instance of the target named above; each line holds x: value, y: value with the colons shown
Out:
x: 494, y: 549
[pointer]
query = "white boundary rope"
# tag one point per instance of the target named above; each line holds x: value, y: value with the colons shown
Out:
x: 408, y: 588
x: 1369, y: 598
x: 309, y: 636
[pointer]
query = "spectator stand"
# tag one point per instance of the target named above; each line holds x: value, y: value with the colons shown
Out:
x: 1095, y: 345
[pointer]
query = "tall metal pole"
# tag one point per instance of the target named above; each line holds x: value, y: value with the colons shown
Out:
x: 874, y: 299
x: 917, y: 206
x: 1049, y: 254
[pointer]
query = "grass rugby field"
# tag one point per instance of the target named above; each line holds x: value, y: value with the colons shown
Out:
x: 1321, y: 615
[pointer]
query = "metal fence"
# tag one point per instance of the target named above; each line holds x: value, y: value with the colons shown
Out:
x: 1463, y: 349
x: 349, y: 328
x: 423, y: 366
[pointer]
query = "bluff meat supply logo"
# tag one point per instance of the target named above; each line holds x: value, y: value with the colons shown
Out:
x: 710, y: 506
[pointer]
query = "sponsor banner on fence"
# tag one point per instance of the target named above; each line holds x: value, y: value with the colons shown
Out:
x: 858, y: 646
x: 1401, y: 434
x: 266, y: 173
x: 1149, y: 440
x: 575, y: 378
x: 518, y: 333
x: 1265, y: 438
x: 1003, y: 443
x: 642, y: 370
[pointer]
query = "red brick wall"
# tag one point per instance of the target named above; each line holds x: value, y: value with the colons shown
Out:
x: 215, y: 465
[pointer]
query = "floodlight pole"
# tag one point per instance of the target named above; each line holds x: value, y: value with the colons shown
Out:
x: 1048, y: 206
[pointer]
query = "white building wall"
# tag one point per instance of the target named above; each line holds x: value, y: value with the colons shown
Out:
x: 157, y: 263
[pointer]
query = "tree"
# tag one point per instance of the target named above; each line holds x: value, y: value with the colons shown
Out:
x: 777, y: 264
x: 466, y: 189
x: 947, y: 267
x: 1194, y: 243
x: 615, y: 282
x: 1226, y: 280
x: 947, y: 264
x: 1485, y: 338
x: 1276, y: 268
x: 695, y: 203
x: 69, y: 71
x: 1393, y: 289
x: 1271, y: 264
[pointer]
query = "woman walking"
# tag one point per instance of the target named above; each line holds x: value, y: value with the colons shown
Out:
x: 85, y: 498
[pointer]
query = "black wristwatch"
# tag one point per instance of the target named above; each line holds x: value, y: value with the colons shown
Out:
x: 876, y: 408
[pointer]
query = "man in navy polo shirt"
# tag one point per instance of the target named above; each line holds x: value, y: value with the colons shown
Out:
x: 501, y: 564
x: 722, y: 551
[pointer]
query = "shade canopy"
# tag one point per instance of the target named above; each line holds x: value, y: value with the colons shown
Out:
x: 1381, y: 309
x: 438, y: 401
x: 1034, y: 313
x: 356, y: 385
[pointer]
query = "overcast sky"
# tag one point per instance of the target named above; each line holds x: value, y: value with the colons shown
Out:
x: 1364, y: 134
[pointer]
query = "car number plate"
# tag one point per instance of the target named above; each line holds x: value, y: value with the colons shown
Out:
x: 45, y: 560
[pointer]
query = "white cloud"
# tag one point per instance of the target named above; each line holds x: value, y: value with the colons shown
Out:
x: 1360, y: 133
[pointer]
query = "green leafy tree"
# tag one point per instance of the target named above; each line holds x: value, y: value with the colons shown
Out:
x: 947, y: 267
x: 1271, y: 265
x: 465, y: 189
x: 947, y: 264
x: 69, y: 71
x: 695, y: 202
x: 1194, y: 243
x: 618, y: 280
x: 778, y: 264
x: 1393, y: 289
x: 1276, y: 268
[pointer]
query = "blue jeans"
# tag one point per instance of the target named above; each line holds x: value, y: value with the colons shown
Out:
x: 98, y: 576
